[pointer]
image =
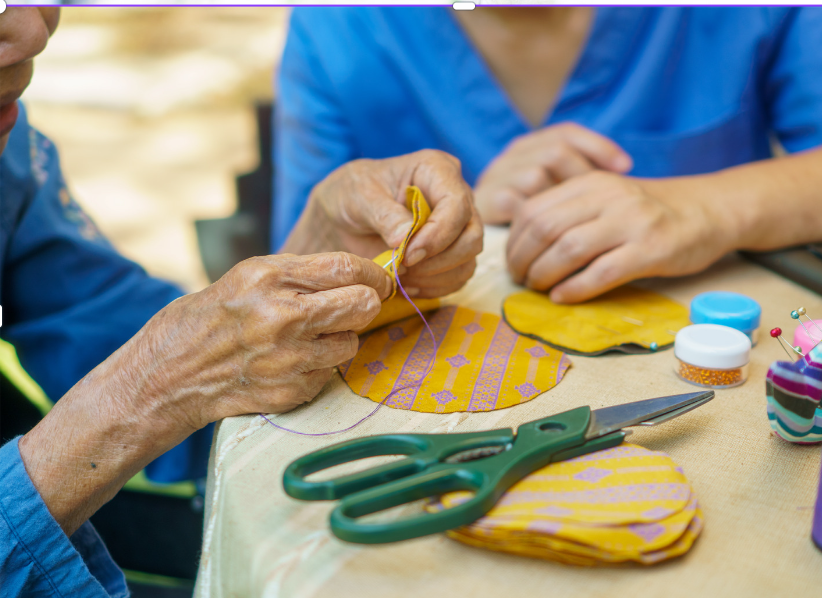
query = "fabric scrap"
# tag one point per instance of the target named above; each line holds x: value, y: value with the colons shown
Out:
x: 480, y: 364
x: 396, y: 308
x: 627, y: 319
x: 624, y: 504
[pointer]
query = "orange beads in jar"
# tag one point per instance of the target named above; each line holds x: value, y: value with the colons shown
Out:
x: 712, y: 355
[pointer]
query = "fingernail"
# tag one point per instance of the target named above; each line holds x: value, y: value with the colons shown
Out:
x: 412, y: 291
x: 400, y: 231
x: 402, y: 270
x: 415, y: 257
x: 622, y: 163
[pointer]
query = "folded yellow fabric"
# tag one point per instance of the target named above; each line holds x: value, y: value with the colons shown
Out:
x: 627, y: 319
x: 397, y: 307
x: 480, y: 364
x: 618, y: 505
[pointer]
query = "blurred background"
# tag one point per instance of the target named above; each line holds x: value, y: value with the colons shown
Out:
x: 152, y: 110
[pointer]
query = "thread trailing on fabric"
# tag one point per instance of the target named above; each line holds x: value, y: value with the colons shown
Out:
x: 389, y: 395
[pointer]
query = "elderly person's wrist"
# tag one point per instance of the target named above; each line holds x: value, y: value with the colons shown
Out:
x: 92, y: 442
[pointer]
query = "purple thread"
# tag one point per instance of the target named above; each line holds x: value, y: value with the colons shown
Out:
x: 396, y: 390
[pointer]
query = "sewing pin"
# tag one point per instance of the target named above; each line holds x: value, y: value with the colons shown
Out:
x: 777, y: 334
x: 795, y: 315
x: 801, y: 312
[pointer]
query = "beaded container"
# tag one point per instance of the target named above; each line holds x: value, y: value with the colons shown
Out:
x: 712, y: 355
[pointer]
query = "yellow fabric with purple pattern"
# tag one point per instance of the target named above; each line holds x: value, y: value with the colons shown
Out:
x: 624, y: 504
x: 480, y: 364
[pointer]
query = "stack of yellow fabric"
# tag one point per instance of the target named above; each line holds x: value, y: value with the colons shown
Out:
x: 624, y: 504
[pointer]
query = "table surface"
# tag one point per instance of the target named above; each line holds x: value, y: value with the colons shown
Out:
x: 756, y: 491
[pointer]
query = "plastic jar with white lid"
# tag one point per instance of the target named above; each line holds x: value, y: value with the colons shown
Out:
x: 712, y: 355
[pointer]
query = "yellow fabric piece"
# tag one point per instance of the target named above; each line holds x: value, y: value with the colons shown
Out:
x: 480, y: 364
x: 618, y: 505
x: 397, y: 307
x: 627, y: 319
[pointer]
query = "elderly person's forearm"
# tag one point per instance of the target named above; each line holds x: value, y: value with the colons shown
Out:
x: 93, y: 441
x: 264, y: 338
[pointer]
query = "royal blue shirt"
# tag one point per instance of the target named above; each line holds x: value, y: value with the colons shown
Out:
x: 684, y: 90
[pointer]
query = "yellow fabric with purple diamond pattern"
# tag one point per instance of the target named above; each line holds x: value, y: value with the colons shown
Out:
x: 480, y: 365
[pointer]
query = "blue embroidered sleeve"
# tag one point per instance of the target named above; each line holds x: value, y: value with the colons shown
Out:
x: 69, y: 299
x: 36, y: 557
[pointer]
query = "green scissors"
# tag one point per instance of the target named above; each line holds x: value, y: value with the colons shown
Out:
x: 485, y: 463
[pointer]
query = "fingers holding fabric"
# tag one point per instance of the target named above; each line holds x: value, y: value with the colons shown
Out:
x: 341, y: 309
x: 439, y: 285
x: 601, y: 230
x: 609, y: 271
x: 326, y: 271
x: 542, y: 223
x: 439, y: 177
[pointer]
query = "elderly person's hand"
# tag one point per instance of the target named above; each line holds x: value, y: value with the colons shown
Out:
x: 537, y: 161
x: 360, y: 208
x: 263, y: 338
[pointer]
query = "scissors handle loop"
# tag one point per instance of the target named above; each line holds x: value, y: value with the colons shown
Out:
x: 434, y: 482
x: 297, y: 486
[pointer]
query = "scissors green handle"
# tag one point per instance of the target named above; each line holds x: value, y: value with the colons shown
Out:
x: 429, y: 470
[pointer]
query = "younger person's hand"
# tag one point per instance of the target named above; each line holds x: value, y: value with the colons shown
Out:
x: 601, y: 230
x: 537, y: 161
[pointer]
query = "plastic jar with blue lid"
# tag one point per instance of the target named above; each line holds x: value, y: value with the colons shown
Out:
x: 727, y: 309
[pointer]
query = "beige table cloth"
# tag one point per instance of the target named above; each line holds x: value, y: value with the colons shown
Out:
x: 756, y: 491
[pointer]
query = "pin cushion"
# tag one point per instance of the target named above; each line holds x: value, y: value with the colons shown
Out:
x: 806, y: 341
x: 712, y: 355
x: 727, y: 309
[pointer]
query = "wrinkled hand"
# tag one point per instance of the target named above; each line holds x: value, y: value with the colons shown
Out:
x: 360, y: 208
x: 601, y: 230
x: 263, y: 338
x: 537, y: 161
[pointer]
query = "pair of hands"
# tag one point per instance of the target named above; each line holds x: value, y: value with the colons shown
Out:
x: 265, y: 337
x: 580, y: 227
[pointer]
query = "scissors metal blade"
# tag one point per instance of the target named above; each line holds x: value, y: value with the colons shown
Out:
x: 649, y: 412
